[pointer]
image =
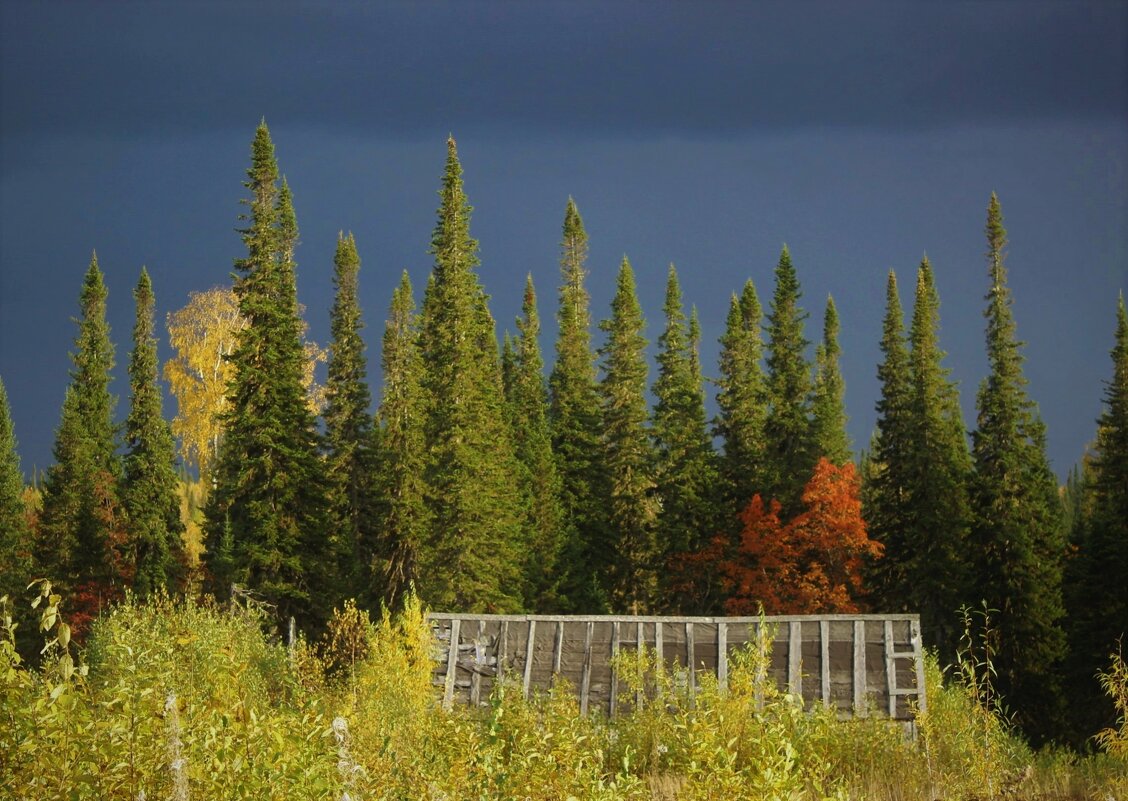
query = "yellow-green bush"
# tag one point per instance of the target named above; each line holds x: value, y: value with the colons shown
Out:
x: 175, y: 700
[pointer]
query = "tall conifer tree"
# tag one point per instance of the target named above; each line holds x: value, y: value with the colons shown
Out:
x: 471, y: 560
x: 632, y: 579
x: 888, y: 508
x: 742, y: 402
x: 402, y: 455
x: 575, y: 417
x: 150, y: 491
x: 685, y: 468
x: 349, y: 434
x: 80, y: 536
x: 1017, y: 534
x: 939, y: 468
x: 1098, y: 601
x: 828, y: 405
x: 15, y: 536
x: 529, y: 403
x: 789, y: 449
x: 269, y: 499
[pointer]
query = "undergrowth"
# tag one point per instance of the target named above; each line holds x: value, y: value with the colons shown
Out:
x: 177, y: 700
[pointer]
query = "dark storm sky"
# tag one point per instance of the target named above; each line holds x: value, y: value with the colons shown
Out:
x: 707, y: 134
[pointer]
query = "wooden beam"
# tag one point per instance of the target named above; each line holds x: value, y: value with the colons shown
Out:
x: 890, y: 668
x: 722, y: 655
x: 557, y: 650
x: 918, y: 660
x: 795, y: 658
x: 529, y: 643
x: 452, y: 665
x: 502, y: 644
x: 479, y: 666
x: 691, y: 663
x: 824, y: 659
x: 640, y: 646
x: 860, y: 669
x: 585, y: 680
x: 614, y: 673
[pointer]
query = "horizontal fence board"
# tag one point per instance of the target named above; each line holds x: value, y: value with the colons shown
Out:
x: 855, y: 664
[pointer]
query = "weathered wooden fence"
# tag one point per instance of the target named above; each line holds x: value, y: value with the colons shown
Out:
x: 857, y: 664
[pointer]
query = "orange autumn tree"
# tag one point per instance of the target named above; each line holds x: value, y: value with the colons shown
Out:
x: 809, y: 565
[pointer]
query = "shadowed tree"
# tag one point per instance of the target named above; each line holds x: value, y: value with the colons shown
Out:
x: 528, y: 402
x: 349, y: 435
x: 80, y: 539
x: 828, y: 404
x: 788, y: 445
x: 1017, y: 533
x: 575, y: 418
x: 686, y: 474
x: 15, y: 535
x: 629, y: 456
x: 150, y: 490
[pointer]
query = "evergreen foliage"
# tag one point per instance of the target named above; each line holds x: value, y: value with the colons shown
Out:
x: 269, y: 495
x: 828, y: 405
x: 349, y: 434
x: 939, y: 468
x: 685, y: 472
x: 79, y: 541
x: 528, y: 402
x: 886, y: 497
x: 1017, y: 533
x: 1097, y: 598
x: 150, y: 490
x: 741, y: 399
x: 15, y: 534
x: 470, y: 559
x: 788, y: 437
x: 575, y: 418
x: 628, y: 453
x: 404, y: 521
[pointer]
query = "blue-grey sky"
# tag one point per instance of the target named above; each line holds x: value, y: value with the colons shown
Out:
x: 861, y: 134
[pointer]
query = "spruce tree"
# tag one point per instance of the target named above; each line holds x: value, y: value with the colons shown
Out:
x: 939, y: 467
x: 528, y: 401
x: 1017, y: 533
x: 742, y: 402
x: 15, y: 535
x: 685, y: 467
x: 80, y: 534
x: 150, y: 490
x: 628, y: 453
x: 472, y: 557
x: 888, y: 508
x: 575, y: 418
x: 828, y: 405
x: 269, y: 494
x: 402, y: 488
x: 1098, y: 601
x: 349, y: 434
x: 789, y: 457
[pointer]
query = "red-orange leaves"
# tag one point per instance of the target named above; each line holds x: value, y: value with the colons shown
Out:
x: 813, y: 563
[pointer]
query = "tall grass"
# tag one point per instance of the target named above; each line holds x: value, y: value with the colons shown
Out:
x: 175, y: 700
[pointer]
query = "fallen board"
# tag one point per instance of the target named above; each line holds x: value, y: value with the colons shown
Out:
x: 858, y: 664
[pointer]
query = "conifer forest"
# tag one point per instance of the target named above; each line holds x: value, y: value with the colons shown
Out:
x: 256, y: 477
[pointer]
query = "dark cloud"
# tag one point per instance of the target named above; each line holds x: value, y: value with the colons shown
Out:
x: 130, y: 68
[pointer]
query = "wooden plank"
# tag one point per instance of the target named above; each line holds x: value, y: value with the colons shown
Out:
x: 754, y: 633
x: 640, y: 645
x: 691, y: 664
x: 722, y: 655
x: 502, y: 644
x: 658, y: 641
x: 479, y: 665
x: 890, y: 668
x: 795, y: 658
x: 585, y: 680
x: 452, y: 665
x: 614, y: 701
x: 860, y: 668
x: 918, y: 659
x: 824, y: 660
x: 557, y: 650
x: 529, y: 644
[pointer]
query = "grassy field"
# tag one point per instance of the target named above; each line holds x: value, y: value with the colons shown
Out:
x: 174, y: 700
